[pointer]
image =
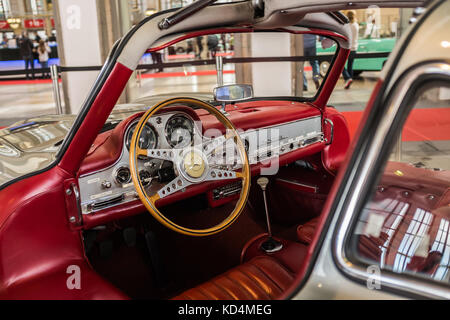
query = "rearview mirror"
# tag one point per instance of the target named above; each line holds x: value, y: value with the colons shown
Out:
x: 233, y: 93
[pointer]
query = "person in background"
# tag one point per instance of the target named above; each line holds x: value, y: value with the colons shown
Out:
x: 231, y: 42
x: 223, y: 39
x: 354, y: 27
x: 35, y: 52
x: 372, y: 31
x: 157, y: 59
x: 4, y: 43
x: 43, y: 52
x: 310, y: 50
x: 199, y: 41
x: 213, y: 44
x: 26, y: 51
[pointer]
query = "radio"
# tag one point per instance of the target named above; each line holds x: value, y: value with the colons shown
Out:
x: 227, y: 191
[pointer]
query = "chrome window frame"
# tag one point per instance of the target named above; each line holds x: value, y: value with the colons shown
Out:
x: 356, y: 270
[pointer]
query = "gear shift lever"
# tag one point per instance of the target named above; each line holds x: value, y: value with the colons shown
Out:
x: 270, y: 245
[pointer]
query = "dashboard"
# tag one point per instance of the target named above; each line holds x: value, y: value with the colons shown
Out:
x: 111, y: 186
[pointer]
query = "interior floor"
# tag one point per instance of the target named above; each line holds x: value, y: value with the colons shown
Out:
x: 178, y: 263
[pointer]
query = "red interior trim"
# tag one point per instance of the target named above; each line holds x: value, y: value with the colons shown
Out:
x: 333, y: 77
x: 95, y: 119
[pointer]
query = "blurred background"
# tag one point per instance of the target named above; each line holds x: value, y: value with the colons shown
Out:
x: 82, y: 32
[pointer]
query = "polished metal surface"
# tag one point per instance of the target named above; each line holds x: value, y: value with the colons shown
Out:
x: 270, y: 245
x: 56, y: 88
x: 274, y: 141
x: 227, y: 191
x: 263, y: 182
x: 233, y: 92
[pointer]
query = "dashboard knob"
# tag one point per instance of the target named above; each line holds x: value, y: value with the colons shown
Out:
x: 106, y: 184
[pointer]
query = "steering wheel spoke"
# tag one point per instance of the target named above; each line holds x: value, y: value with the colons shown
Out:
x: 176, y: 185
x: 218, y: 174
x: 212, y: 145
x: 161, y: 154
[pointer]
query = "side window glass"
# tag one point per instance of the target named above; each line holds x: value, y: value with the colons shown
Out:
x: 405, y: 226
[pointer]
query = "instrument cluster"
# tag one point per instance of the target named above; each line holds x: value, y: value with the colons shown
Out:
x: 175, y: 131
x: 113, y: 185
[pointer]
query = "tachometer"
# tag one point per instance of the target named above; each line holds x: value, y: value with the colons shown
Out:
x: 147, y: 140
x: 180, y: 131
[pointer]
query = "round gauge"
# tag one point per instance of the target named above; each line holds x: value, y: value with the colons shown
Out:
x: 123, y: 175
x: 180, y: 131
x: 147, y: 140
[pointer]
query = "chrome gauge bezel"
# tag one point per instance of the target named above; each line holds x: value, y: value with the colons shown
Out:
x: 115, y: 175
x: 130, y: 132
x: 166, y: 126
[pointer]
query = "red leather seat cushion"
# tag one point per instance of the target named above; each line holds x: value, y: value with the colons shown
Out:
x: 305, y: 232
x: 261, y: 278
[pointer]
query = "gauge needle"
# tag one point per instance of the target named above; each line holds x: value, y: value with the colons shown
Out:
x: 180, y: 135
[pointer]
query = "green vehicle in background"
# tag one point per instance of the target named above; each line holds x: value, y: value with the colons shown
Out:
x: 364, y: 46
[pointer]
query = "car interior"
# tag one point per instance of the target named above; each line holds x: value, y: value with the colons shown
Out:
x: 217, y: 194
x: 293, y: 157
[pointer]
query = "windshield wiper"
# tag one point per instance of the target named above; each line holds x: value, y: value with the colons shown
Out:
x: 184, y: 13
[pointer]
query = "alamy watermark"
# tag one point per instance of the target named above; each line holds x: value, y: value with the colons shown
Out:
x: 73, y: 281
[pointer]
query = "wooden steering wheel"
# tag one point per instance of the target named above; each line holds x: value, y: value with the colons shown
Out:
x: 192, y: 165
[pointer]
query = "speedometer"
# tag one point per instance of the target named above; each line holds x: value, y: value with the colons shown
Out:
x: 147, y: 140
x: 180, y: 131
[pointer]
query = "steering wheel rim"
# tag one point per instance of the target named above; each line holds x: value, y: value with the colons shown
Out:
x: 150, y: 201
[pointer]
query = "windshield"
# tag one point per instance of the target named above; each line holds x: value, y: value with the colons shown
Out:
x: 276, y: 64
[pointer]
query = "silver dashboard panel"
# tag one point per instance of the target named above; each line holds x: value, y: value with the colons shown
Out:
x: 280, y: 139
x: 94, y: 195
x: 263, y: 144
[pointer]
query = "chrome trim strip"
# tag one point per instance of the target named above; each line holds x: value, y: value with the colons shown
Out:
x: 282, y: 124
x: 388, y: 278
x: 331, y: 131
x: 298, y: 184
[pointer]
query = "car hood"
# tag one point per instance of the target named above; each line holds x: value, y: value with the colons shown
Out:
x: 32, y: 144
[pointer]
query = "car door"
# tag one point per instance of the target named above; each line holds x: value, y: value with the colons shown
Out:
x: 387, y: 231
x: 396, y: 242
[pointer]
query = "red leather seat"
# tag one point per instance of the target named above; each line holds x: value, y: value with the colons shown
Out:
x: 261, y: 278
